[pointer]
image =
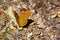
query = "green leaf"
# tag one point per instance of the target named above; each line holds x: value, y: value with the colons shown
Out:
x: 3, y: 34
x: 0, y: 2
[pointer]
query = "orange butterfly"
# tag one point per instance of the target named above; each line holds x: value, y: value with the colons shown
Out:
x: 22, y: 18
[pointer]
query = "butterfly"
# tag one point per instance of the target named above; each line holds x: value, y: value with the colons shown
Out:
x: 22, y: 18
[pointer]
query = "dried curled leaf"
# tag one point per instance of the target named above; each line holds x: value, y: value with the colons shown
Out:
x: 23, y: 18
x: 10, y: 12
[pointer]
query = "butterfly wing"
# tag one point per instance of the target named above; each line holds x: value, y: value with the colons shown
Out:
x: 23, y: 18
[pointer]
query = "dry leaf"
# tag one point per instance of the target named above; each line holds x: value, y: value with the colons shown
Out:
x: 10, y: 12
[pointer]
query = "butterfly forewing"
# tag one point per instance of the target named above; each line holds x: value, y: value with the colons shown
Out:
x: 23, y: 18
